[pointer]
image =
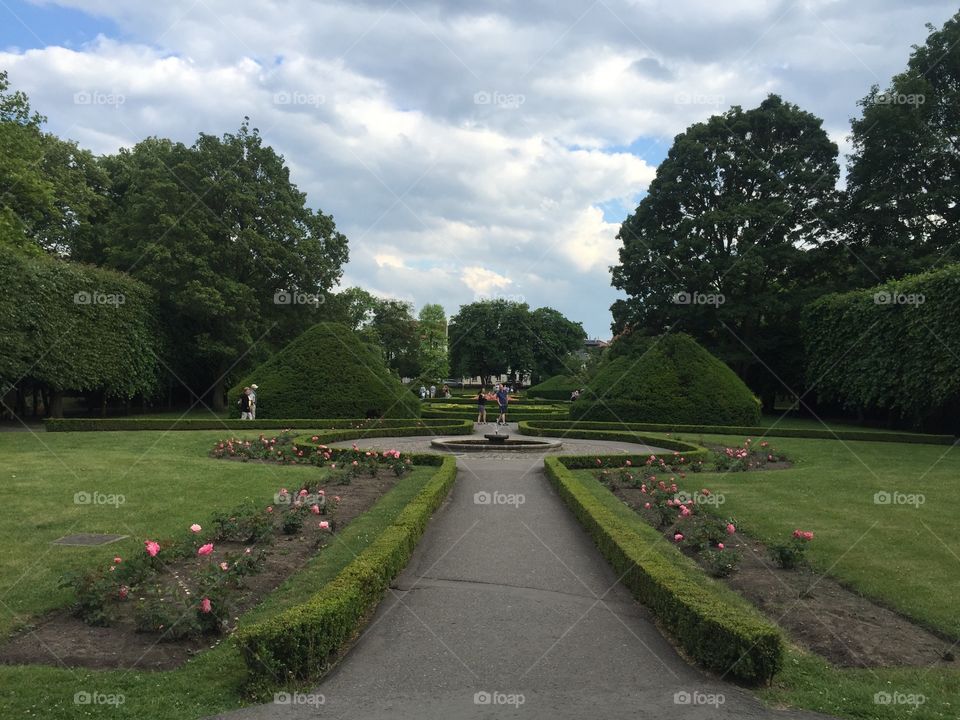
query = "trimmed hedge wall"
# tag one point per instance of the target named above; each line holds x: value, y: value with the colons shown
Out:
x: 354, y: 427
x: 551, y: 427
x: 513, y: 415
x: 714, y: 625
x: 688, y: 450
x: 674, y: 380
x: 558, y: 387
x: 298, y: 643
x: 327, y: 372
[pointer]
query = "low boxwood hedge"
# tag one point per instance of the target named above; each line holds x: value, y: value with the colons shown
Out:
x: 299, y: 643
x: 354, y: 427
x: 551, y: 426
x: 714, y: 625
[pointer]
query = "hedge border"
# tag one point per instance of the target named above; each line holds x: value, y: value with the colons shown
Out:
x: 714, y: 625
x: 747, y: 431
x: 687, y: 449
x: 298, y: 643
x: 360, y: 427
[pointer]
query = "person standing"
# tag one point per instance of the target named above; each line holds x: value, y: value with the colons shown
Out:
x: 423, y: 393
x: 244, y: 403
x: 481, y: 408
x: 502, y: 398
x: 253, y: 402
x: 433, y: 391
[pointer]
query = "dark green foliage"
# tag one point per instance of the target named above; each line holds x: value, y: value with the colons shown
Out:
x: 299, y: 643
x: 75, y: 327
x: 892, y: 350
x: 347, y: 429
x: 674, y: 381
x: 558, y: 387
x: 327, y: 372
x: 715, y: 626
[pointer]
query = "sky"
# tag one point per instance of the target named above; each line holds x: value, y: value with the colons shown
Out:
x: 467, y: 150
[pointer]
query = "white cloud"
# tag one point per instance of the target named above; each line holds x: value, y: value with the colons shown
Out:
x: 388, y: 114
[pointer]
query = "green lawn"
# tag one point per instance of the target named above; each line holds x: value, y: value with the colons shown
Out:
x: 907, y: 556
x: 167, y: 483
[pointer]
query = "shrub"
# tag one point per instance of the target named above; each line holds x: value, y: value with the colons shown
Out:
x: 559, y: 387
x: 790, y: 554
x: 327, y: 372
x: 717, y: 627
x: 674, y: 380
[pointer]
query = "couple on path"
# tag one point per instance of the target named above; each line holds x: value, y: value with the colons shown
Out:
x: 501, y: 396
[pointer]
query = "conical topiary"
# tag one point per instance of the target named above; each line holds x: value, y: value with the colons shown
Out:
x: 670, y: 379
x: 327, y: 372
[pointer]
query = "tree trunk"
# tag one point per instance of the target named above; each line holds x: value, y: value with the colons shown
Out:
x: 218, y: 400
x: 56, y: 404
x: 103, y: 404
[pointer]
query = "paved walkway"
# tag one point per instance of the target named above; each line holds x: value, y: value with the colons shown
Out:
x: 507, y: 600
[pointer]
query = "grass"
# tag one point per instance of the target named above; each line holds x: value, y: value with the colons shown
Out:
x: 168, y: 483
x: 904, y: 556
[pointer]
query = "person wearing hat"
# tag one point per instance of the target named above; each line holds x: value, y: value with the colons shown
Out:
x: 253, y: 402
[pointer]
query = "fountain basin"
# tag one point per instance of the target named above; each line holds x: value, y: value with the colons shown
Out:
x: 496, y: 443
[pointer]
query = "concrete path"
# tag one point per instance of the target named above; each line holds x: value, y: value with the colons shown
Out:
x: 507, y: 610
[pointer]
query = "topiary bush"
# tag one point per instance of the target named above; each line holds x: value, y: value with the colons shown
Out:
x: 327, y: 372
x: 558, y: 387
x: 671, y: 379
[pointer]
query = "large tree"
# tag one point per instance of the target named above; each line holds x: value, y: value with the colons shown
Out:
x: 432, y: 333
x: 903, y: 182
x: 238, y: 260
x: 718, y: 245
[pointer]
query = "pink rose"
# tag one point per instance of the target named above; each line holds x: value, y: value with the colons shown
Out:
x: 324, y: 525
x: 678, y: 537
x: 719, y: 546
x: 205, y: 549
x: 195, y: 528
x: 731, y: 529
x: 315, y: 509
x: 205, y: 605
x: 152, y: 548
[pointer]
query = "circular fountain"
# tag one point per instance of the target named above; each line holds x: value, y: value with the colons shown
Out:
x: 495, y: 442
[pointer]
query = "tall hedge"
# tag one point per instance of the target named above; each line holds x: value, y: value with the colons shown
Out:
x: 558, y: 387
x: 892, y: 350
x: 75, y: 327
x: 671, y: 379
x: 327, y: 372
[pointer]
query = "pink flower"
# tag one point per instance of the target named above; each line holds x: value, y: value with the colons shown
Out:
x: 205, y: 549
x: 646, y: 506
x: 283, y: 491
x: 678, y: 537
x: 195, y: 528
x: 124, y: 591
x: 224, y: 566
x: 205, y: 605
x: 354, y: 462
x: 719, y: 546
x: 324, y: 525
x: 598, y: 462
x: 269, y: 508
x: 315, y: 509
x: 731, y: 529
x: 152, y: 548
x: 628, y: 463
x: 321, y: 492
x: 117, y: 560
x: 303, y: 492
x: 315, y: 438
x: 336, y: 498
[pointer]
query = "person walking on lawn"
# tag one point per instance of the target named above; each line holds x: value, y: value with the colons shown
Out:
x: 502, y: 398
x: 481, y: 408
